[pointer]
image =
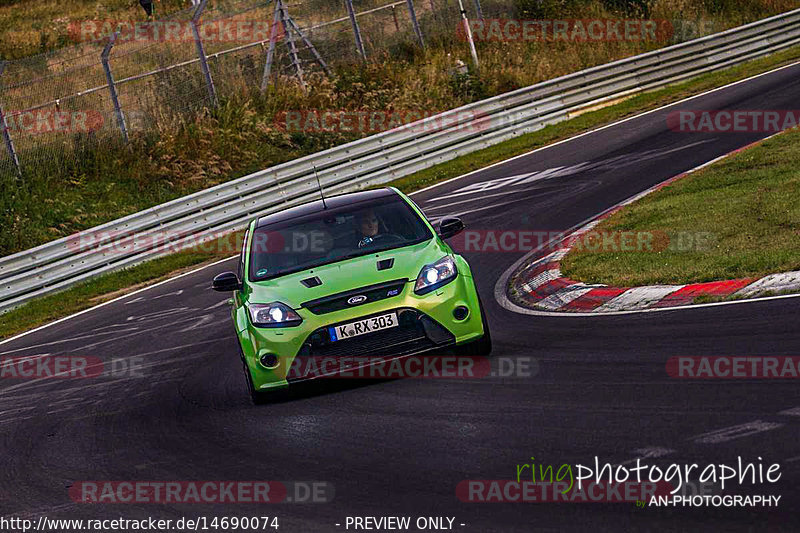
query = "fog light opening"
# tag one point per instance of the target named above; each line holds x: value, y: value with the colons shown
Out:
x: 269, y: 360
x: 461, y: 312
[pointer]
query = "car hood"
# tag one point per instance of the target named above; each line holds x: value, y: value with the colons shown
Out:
x: 347, y: 275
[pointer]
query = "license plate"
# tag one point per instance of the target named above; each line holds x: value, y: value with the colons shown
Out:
x: 363, y: 326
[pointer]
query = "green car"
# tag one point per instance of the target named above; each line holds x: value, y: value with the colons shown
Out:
x: 362, y: 276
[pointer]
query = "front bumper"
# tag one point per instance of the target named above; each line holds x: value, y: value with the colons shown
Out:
x: 426, y: 323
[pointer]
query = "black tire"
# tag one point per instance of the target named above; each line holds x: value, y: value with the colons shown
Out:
x: 482, y: 346
x: 258, y: 397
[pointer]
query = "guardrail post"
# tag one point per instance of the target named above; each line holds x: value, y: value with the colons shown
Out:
x: 413, y: 14
x: 201, y: 53
x: 273, y: 37
x: 112, y: 88
x: 6, y: 135
x: 356, y: 31
x: 290, y: 40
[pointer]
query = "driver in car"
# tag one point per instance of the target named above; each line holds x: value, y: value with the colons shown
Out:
x: 368, y: 227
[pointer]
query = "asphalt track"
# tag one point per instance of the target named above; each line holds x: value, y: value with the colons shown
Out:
x: 400, y: 447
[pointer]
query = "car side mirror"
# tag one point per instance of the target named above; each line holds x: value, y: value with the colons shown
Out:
x: 450, y: 227
x: 226, y: 282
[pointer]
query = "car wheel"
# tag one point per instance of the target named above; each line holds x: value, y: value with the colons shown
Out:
x: 258, y: 397
x: 482, y: 346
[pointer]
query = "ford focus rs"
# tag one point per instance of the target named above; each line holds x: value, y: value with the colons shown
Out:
x: 362, y: 276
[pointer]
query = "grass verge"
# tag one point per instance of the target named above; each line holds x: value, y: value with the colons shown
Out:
x: 101, y: 289
x: 745, y: 208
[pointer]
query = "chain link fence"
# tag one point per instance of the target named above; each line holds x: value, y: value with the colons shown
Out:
x: 125, y: 78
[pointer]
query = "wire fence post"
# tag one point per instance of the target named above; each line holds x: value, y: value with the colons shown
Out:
x: 394, y: 17
x: 413, y: 14
x: 112, y: 88
x: 468, y: 31
x: 290, y: 40
x: 201, y: 53
x: 6, y: 135
x: 273, y: 38
x: 310, y: 46
x: 356, y: 31
x: 478, y: 9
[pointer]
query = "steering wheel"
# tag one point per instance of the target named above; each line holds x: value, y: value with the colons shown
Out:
x: 382, y: 238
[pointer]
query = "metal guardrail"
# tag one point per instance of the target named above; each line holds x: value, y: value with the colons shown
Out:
x: 376, y: 159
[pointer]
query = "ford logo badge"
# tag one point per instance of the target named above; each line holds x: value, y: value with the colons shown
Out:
x: 355, y: 300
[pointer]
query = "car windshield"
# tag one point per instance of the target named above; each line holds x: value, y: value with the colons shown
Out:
x: 334, y: 235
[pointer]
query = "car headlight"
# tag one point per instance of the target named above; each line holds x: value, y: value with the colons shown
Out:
x: 274, y: 315
x: 435, y: 275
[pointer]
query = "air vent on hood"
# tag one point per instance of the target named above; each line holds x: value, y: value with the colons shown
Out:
x: 386, y: 264
x: 312, y: 282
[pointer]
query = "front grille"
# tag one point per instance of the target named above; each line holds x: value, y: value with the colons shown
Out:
x: 415, y: 333
x: 371, y: 293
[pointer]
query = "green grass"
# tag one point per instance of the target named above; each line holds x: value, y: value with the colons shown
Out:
x: 72, y: 300
x: 747, y: 205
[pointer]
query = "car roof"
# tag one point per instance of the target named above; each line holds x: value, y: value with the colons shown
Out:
x: 331, y: 202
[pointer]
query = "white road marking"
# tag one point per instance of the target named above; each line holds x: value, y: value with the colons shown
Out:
x: 199, y: 322
x: 735, y: 432
x: 176, y: 293
x: 794, y: 411
x: 600, y: 165
x: 218, y: 304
